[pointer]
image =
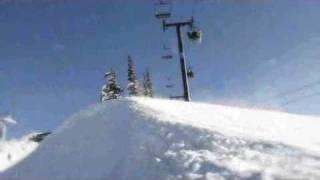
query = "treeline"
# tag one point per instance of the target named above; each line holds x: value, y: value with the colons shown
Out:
x: 112, y: 89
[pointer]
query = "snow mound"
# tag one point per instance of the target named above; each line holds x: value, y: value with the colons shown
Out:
x: 160, y: 139
x: 14, y: 151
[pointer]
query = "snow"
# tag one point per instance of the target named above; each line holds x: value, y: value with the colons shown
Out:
x: 15, y: 150
x: 7, y: 119
x: 140, y: 138
x: 258, y: 124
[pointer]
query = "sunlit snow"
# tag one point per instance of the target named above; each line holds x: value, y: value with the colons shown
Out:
x: 15, y: 150
x: 143, y: 138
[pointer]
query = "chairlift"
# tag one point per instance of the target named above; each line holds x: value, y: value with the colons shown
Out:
x: 176, y: 97
x: 169, y: 86
x: 195, y: 34
x: 166, y: 47
x: 190, y: 73
x: 163, y: 9
x: 167, y: 56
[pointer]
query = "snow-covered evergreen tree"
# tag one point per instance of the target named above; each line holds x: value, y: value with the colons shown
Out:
x: 133, y: 84
x: 110, y: 90
x: 147, y: 84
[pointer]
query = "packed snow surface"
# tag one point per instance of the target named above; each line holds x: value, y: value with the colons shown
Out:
x: 154, y: 139
x: 15, y: 150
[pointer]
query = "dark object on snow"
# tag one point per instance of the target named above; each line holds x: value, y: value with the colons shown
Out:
x: 39, y: 137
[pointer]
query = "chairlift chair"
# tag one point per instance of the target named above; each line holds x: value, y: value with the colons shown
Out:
x: 195, y: 34
x: 163, y: 9
x: 190, y: 73
x: 169, y: 86
x: 166, y: 47
x: 168, y: 56
x: 176, y: 97
x: 168, y: 53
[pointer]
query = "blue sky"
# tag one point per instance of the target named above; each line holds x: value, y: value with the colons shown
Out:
x: 53, y: 54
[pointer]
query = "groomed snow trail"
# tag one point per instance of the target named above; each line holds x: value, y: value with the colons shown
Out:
x: 160, y: 139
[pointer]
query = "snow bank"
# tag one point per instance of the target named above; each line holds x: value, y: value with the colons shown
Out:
x: 160, y: 139
x: 296, y: 130
x: 14, y: 151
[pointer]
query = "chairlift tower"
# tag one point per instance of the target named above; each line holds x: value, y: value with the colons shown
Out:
x: 163, y: 12
x: 183, y: 66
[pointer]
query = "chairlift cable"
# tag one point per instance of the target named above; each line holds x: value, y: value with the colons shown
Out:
x: 287, y: 94
x: 194, y: 9
x: 299, y: 98
x: 297, y: 90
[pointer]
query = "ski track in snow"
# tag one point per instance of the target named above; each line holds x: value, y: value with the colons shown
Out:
x: 159, y: 139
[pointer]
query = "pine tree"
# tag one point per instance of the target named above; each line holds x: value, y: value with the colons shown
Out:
x: 133, y: 84
x: 147, y: 84
x: 111, y: 90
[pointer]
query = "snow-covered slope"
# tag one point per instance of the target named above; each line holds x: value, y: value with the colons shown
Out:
x: 13, y: 151
x: 161, y: 139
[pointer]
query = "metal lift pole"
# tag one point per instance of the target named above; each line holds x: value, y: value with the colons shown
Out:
x: 178, y: 25
x: 186, y: 91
